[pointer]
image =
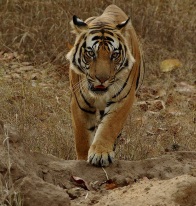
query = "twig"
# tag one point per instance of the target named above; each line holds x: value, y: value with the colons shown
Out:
x: 105, y: 173
x: 86, y: 196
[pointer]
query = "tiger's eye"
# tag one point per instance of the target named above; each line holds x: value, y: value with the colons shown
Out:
x: 115, y: 55
x: 91, y: 53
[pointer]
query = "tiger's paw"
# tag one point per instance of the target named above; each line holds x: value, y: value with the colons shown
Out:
x: 100, y: 156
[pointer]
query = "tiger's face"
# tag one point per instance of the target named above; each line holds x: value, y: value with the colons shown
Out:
x: 102, y: 57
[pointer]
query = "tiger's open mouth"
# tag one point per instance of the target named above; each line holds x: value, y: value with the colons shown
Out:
x: 98, y: 89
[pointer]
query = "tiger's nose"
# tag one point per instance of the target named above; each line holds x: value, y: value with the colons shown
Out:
x: 102, y: 79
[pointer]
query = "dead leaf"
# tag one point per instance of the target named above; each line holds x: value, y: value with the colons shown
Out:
x: 80, y: 182
x: 170, y: 64
x: 110, y: 185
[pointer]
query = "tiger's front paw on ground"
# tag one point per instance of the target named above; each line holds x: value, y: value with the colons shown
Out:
x: 101, y: 156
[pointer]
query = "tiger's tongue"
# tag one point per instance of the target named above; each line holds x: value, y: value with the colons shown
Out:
x: 99, y: 87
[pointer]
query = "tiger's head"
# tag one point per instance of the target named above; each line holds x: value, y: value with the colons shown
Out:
x: 100, y: 53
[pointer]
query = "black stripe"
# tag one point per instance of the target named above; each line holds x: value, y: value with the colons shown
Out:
x: 129, y: 89
x: 92, y: 128
x: 95, y: 43
x: 99, y: 27
x: 126, y: 64
x: 109, y: 103
x: 126, y: 94
x: 79, y: 61
x: 74, y: 60
x: 138, y: 78
x: 97, y: 37
x: 85, y: 99
x: 107, y: 38
x: 101, y: 112
x: 84, y: 110
x: 124, y: 85
x: 84, y: 45
x: 84, y: 60
x: 109, y: 32
x: 109, y: 43
x: 119, y: 135
x: 104, y: 116
x: 102, y: 31
x: 74, y: 56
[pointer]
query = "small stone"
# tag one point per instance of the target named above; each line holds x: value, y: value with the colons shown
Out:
x: 12, y: 133
x: 26, y: 63
x: 193, y: 172
x: 15, y: 76
x: 128, y: 180
x: 161, y: 93
x: 14, y: 66
x: 26, y: 68
x: 35, y: 76
x: 48, y: 178
x: 74, y: 192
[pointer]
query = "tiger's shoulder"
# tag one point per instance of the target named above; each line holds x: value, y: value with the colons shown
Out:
x: 112, y: 15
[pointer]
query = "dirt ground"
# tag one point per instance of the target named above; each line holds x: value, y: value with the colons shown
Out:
x: 35, y: 179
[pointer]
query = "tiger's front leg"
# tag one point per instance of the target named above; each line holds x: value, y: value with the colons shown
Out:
x: 101, y: 151
x: 83, y: 122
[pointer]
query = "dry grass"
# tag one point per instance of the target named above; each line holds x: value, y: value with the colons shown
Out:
x: 39, y: 107
x: 8, y: 194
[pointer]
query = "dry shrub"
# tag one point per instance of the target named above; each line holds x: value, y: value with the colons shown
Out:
x: 40, y: 31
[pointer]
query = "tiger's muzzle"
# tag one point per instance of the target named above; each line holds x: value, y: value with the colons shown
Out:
x: 100, y: 83
x: 98, y: 89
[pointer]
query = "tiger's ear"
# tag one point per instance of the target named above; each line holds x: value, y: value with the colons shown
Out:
x: 78, y: 24
x: 122, y: 24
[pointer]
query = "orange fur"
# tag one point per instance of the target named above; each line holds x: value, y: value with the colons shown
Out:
x: 94, y: 138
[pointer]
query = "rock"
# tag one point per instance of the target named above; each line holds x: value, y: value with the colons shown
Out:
x: 12, y: 133
x: 37, y: 192
x: 48, y: 178
x: 75, y: 192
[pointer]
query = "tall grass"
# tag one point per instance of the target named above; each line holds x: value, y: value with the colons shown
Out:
x: 8, y: 194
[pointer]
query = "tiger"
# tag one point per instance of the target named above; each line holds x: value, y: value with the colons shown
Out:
x: 106, y: 70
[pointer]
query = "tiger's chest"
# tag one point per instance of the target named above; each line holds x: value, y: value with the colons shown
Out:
x: 100, y: 103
